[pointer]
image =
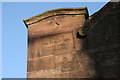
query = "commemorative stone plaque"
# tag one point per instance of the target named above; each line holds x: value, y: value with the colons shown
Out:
x: 53, y: 47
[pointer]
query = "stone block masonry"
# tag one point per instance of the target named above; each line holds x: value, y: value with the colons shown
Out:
x: 54, y: 51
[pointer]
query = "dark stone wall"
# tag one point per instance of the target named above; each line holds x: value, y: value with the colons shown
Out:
x: 102, y: 43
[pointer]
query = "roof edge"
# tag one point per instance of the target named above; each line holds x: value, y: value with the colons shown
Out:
x: 82, y: 10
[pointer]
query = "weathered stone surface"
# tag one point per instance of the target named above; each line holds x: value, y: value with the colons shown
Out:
x: 78, y: 65
x: 57, y: 44
x: 45, y: 63
x: 103, y: 41
x: 31, y: 75
x: 31, y: 66
x: 53, y: 45
x: 54, y: 50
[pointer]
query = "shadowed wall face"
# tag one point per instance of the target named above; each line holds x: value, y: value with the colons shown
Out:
x: 103, y: 41
x: 54, y: 51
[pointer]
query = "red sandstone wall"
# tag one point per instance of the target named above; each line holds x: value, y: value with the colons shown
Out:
x: 54, y: 51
